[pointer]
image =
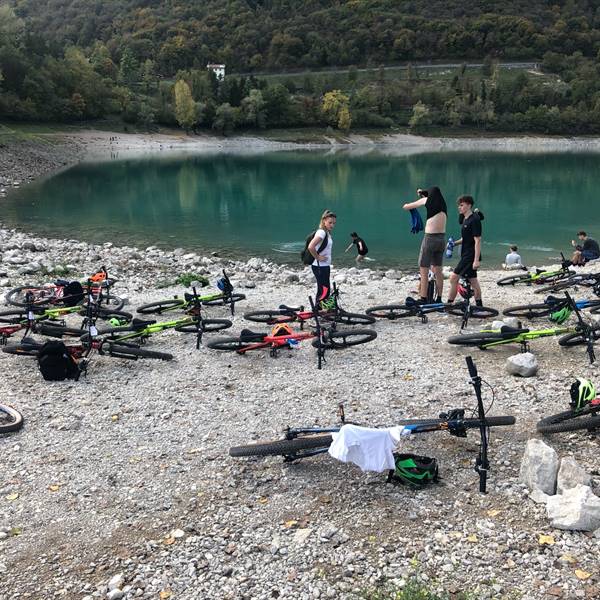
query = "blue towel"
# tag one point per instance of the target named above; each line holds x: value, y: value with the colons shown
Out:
x: 416, y: 223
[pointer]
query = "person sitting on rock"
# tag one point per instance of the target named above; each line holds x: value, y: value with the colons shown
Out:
x: 586, y: 250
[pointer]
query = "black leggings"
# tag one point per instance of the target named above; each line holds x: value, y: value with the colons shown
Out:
x: 323, y: 286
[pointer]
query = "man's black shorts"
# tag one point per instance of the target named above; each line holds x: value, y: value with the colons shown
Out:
x: 465, y: 267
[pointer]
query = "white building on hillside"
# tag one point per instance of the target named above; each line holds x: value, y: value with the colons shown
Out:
x: 218, y: 70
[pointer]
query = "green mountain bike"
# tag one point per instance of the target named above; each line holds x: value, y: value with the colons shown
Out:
x: 540, y: 276
x: 225, y: 296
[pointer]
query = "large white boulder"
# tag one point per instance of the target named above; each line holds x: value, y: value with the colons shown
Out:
x: 570, y: 475
x: 575, y: 509
x: 539, y: 467
x: 524, y: 364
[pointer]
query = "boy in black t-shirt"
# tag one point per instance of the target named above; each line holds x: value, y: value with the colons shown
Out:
x: 470, y: 254
x: 360, y: 246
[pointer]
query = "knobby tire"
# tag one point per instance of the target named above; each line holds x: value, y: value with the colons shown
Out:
x: 10, y: 419
x: 588, y: 418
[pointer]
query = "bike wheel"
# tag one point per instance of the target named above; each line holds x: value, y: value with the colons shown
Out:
x: 347, y: 318
x: 555, y: 277
x: 10, y: 419
x: 283, y: 447
x: 468, y: 423
x: 523, y: 278
x: 529, y: 311
x: 391, y: 311
x: 13, y: 317
x: 208, y: 326
x: 345, y: 339
x: 476, y: 312
x: 270, y: 317
x: 230, y: 344
x: 41, y: 295
x: 110, y: 302
x: 132, y: 352
x: 474, y: 339
x: 156, y: 308
x: 225, y: 300
x: 578, y: 339
x: 588, y: 418
x: 23, y: 348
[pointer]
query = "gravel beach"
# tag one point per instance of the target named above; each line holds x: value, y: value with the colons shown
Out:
x: 120, y: 485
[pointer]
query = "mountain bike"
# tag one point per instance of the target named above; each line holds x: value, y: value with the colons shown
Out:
x: 304, y: 442
x: 224, y: 297
x: 583, y: 413
x: 289, y: 314
x: 579, y: 334
x: 50, y: 321
x: 81, y: 350
x: 540, y: 276
x: 282, y: 336
x: 550, y: 305
x: 10, y: 419
x: 413, y: 308
x: 577, y: 280
x: 68, y: 293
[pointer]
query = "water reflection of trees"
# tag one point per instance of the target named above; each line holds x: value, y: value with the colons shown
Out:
x: 278, y: 197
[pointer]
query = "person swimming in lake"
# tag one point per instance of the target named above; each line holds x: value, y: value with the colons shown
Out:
x: 361, y: 247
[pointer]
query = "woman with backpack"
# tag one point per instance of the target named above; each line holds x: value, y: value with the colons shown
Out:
x: 320, y: 249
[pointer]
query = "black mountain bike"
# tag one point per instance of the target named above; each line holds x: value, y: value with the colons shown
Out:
x: 304, y: 442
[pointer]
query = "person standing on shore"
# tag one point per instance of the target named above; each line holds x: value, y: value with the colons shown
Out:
x: 434, y: 242
x: 320, y: 247
x: 470, y: 252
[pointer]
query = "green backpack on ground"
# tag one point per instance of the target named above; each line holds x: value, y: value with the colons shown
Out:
x: 305, y: 255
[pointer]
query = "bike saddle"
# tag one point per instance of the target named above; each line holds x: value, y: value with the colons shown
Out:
x: 553, y: 300
x: 141, y: 323
x: 290, y: 308
x: 505, y: 329
x: 28, y: 340
x: 248, y: 335
x: 539, y: 271
x: 189, y: 297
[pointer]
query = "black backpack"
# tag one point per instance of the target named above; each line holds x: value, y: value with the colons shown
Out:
x: 56, y: 363
x: 306, y: 257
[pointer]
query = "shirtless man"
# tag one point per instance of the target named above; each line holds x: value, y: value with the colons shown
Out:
x: 434, y: 241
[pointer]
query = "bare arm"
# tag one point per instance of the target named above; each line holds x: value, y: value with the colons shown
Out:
x: 314, y: 244
x: 416, y: 204
x: 477, y: 252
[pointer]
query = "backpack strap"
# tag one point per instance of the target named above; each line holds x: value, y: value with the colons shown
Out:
x: 323, y: 243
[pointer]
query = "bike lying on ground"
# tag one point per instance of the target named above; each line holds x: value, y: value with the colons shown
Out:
x: 224, y: 297
x: 540, y: 276
x: 584, y: 412
x: 578, y: 280
x: 551, y: 306
x: 68, y: 293
x: 283, y: 336
x: 10, y: 419
x: 413, y: 308
x: 288, y: 314
x: 304, y: 442
x: 575, y: 335
x: 141, y: 330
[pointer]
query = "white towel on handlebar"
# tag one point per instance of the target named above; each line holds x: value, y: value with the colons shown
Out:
x: 370, y: 449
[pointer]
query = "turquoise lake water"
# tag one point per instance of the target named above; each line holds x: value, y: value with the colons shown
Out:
x: 265, y: 205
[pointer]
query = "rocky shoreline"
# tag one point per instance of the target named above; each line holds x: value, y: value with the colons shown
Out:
x: 120, y: 486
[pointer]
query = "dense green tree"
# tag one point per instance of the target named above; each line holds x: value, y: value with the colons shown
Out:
x: 186, y: 111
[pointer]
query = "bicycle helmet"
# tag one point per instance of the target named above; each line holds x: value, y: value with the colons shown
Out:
x: 462, y: 290
x: 582, y: 393
x: 561, y: 315
x: 414, y: 470
x: 281, y: 329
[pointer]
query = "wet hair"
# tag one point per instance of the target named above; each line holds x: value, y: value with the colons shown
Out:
x: 354, y: 234
x: 326, y: 215
x: 513, y: 248
x: 582, y: 233
x: 465, y: 200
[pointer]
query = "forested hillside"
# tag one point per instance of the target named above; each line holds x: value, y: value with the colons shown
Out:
x: 283, y: 34
x: 144, y: 61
